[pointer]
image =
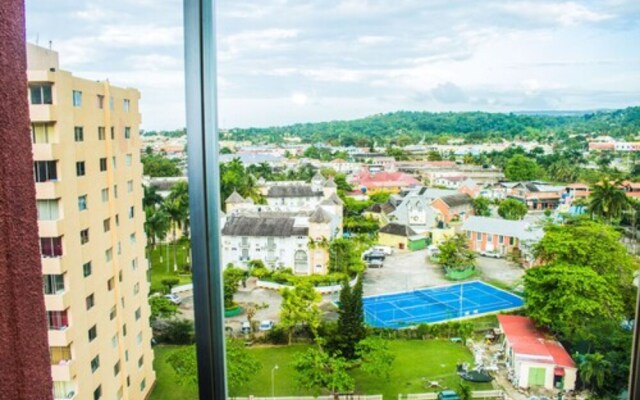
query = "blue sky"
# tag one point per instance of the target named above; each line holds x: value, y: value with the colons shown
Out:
x: 287, y: 61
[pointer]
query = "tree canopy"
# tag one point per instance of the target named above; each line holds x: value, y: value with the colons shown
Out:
x: 512, y: 209
x: 455, y: 253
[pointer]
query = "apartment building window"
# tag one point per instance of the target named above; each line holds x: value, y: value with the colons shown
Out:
x: 86, y: 269
x: 132, y: 239
x: 45, y: 171
x: 101, y: 133
x: 95, y: 364
x: 100, y: 99
x: 41, y: 133
x: 47, y: 210
x: 113, y: 162
x: 106, y: 224
x: 108, y: 254
x: 90, y: 301
x: 126, y: 358
x: 127, y: 132
x: 53, y: 284
x: 51, y: 247
x: 80, y: 171
x: 113, y: 133
x: 119, y: 247
x: 104, y: 194
x: 126, y: 104
x: 136, y: 288
x: 103, y: 164
x: 124, y: 333
x: 129, y: 186
x: 139, y: 339
x: 138, y: 314
x: 122, y: 301
x: 84, y: 236
x: 120, y: 393
x: 128, y: 158
x: 92, y: 333
x: 78, y: 134
x: 77, y: 98
x: 60, y: 354
x: 97, y: 394
x: 116, y: 368
x: 111, y: 103
x: 134, y: 264
x: 115, y: 191
x: 57, y: 320
x: 131, y: 212
x: 120, y: 276
x: 140, y: 361
x: 126, y: 353
x: 114, y: 340
x: 113, y: 313
x: 82, y: 202
x: 111, y: 284
x: 117, y: 219
x: 41, y: 93
x: 143, y: 384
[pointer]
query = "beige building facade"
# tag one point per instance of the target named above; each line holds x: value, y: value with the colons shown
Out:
x: 88, y: 175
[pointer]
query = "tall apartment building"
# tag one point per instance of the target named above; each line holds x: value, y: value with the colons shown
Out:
x: 89, y: 193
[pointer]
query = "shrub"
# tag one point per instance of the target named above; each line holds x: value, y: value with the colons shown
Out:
x: 177, y: 331
x: 277, y: 335
x: 169, y: 283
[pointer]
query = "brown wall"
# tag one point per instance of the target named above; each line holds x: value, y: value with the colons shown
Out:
x: 24, y: 354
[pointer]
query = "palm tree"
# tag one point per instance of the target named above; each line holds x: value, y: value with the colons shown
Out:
x: 177, y: 211
x: 156, y: 224
x: 151, y: 197
x: 607, y: 200
x: 593, y: 368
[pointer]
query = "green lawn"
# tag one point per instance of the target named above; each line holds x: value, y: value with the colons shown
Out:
x: 161, y: 269
x: 415, y: 361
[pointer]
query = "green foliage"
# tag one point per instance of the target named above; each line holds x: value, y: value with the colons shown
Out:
x: 156, y: 224
x: 345, y: 256
x: 397, y: 153
x: 234, y: 176
x: 434, y: 155
x: 300, y: 306
x: 593, y: 368
x: 607, y: 200
x: 151, y: 198
x: 169, y: 283
x: 455, y: 253
x: 481, y: 206
x: 350, y: 328
x: 226, y: 150
x: 317, y: 370
x: 522, y: 168
x: 379, y: 197
x: 464, y: 391
x: 161, y: 308
x: 376, y: 357
x: 158, y: 165
x: 512, y: 209
x: 231, y: 277
x: 361, y: 225
x: 177, y: 331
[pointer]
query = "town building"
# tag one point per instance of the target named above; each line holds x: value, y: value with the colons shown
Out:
x: 537, y: 195
x: 401, y: 237
x: 88, y: 178
x: 534, y: 358
x: 371, y: 182
x: 454, y: 207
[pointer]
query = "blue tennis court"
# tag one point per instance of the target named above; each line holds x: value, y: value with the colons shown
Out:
x: 437, y: 304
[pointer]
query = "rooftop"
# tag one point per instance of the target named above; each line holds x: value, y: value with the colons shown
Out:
x: 263, y: 226
x: 293, y: 191
x: 498, y: 226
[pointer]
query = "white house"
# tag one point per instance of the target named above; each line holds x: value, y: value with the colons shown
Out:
x: 533, y: 358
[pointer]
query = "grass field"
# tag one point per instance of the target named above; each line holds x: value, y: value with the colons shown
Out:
x: 161, y: 269
x: 416, y: 361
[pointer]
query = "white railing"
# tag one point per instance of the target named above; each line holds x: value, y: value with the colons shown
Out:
x: 340, y: 397
x: 319, y: 289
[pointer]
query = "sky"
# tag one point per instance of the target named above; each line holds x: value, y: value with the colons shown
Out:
x: 288, y: 61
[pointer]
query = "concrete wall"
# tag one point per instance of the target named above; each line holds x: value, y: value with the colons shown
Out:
x: 24, y: 353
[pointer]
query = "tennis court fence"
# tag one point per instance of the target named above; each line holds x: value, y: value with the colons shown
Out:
x: 340, y: 397
x: 476, y: 394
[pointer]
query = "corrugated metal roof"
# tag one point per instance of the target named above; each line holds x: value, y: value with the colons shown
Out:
x: 498, y: 226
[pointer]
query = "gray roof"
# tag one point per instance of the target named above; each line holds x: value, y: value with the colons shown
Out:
x: 498, y: 226
x: 318, y: 176
x: 320, y: 216
x: 235, y: 198
x: 386, y: 208
x: 261, y: 226
x: 398, y: 230
x: 330, y: 183
x: 457, y: 200
x: 293, y: 191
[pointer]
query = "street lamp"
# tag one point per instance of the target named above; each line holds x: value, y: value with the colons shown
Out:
x: 273, y: 386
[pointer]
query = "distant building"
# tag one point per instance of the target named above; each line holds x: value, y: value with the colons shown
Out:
x: 536, y: 359
x: 455, y: 207
x: 537, y: 195
x: 401, y: 237
x: 607, y: 143
x: 368, y: 182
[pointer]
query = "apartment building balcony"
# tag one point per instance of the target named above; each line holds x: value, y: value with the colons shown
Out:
x: 60, y: 336
x: 50, y: 228
x: 64, y: 390
x: 45, y: 151
x: 43, y: 112
x: 69, y: 396
x: 48, y: 190
x: 58, y: 301
x: 53, y: 265
x: 64, y: 371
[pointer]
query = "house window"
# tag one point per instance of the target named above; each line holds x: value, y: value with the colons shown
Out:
x: 512, y: 241
x: 57, y: 320
x: 86, y: 269
x: 80, y: 171
x: 78, y: 134
x: 138, y: 313
x: 47, y: 210
x: 104, y: 194
x: 90, y: 301
x: 101, y: 134
x: 97, y: 394
x: 127, y: 159
x: 129, y: 186
x: 100, y: 99
x: 53, y: 284
x: 41, y: 93
x: 113, y: 313
x: 501, y: 239
x: 77, y: 98
x: 478, y: 236
x: 95, y: 364
x: 111, y: 284
x: 45, y: 171
x: 82, y: 202
x: 127, y: 132
x: 126, y: 103
x: 106, y: 225
x: 51, y: 247
x: 103, y: 164
x: 108, y: 254
x: 84, y: 236
x: 490, y: 238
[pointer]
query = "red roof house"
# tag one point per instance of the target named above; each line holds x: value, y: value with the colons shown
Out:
x: 383, y: 180
x: 535, y: 358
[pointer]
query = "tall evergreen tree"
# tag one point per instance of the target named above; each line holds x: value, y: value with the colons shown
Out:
x: 351, y: 329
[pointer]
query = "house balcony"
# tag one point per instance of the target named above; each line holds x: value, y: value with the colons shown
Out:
x: 48, y: 190
x: 43, y: 112
x: 59, y: 301
x: 53, y: 265
x: 64, y: 371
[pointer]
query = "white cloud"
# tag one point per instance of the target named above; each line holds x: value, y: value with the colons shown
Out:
x: 371, y: 40
x: 299, y: 99
x: 566, y: 14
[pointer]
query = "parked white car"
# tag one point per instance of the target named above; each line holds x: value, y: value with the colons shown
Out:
x: 387, y: 250
x: 491, y: 254
x: 266, y: 325
x: 174, y: 298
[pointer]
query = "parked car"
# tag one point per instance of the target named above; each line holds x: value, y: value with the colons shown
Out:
x: 375, y: 264
x: 491, y: 254
x: 387, y: 250
x: 370, y: 255
x: 246, y: 328
x: 174, y: 298
x: 433, y: 251
x: 448, y: 395
x: 266, y: 325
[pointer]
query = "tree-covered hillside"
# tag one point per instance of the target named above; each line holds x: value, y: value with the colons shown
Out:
x: 406, y: 127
